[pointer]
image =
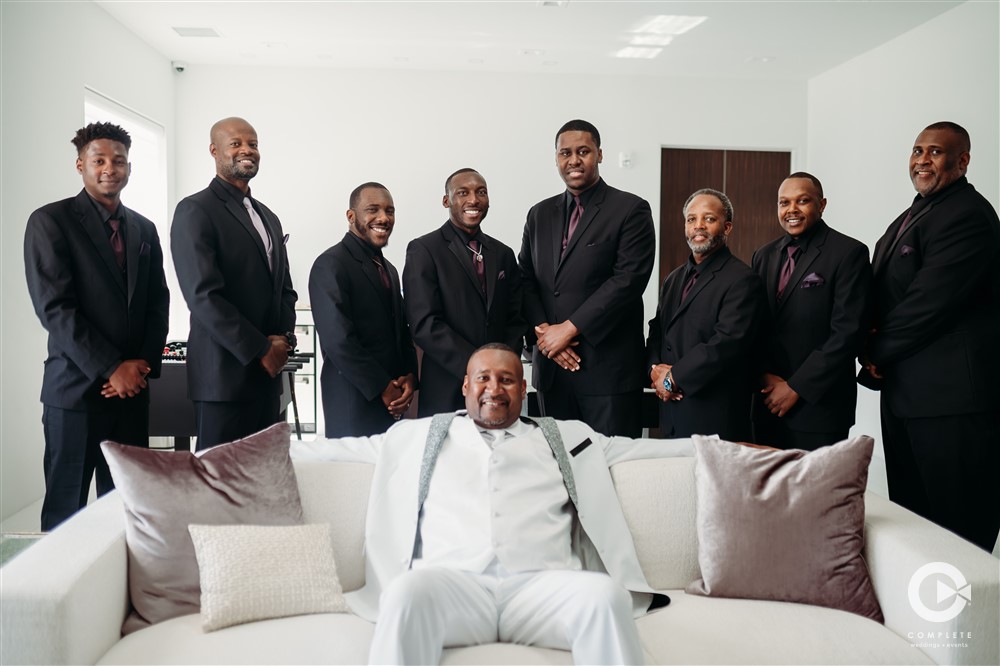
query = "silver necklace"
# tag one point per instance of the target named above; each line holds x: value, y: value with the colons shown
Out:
x: 477, y: 253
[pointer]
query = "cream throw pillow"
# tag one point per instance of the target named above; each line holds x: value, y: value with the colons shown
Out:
x: 256, y: 572
x: 784, y: 525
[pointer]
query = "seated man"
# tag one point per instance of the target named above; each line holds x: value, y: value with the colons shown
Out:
x: 471, y: 535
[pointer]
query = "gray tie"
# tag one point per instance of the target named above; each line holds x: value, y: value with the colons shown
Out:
x: 258, y: 224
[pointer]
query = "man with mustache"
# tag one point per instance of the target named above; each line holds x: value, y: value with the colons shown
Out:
x: 369, y: 364
x: 933, y: 352
x: 470, y: 528
x: 586, y: 256
x: 816, y: 283
x: 229, y: 253
x: 95, y: 275
x: 701, y: 344
x: 463, y: 289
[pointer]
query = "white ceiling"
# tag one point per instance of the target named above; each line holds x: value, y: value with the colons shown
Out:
x: 747, y: 40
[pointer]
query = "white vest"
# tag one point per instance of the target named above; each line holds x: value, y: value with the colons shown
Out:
x: 514, y: 505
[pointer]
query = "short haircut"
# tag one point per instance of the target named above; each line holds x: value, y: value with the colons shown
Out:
x: 356, y: 193
x: 447, y: 182
x: 580, y: 126
x: 495, y: 346
x: 95, y: 131
x: 957, y: 129
x: 726, y: 203
x: 809, y: 177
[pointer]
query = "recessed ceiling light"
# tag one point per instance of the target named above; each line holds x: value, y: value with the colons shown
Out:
x: 651, y: 40
x: 760, y: 59
x: 552, y: 3
x: 665, y: 24
x: 196, y: 32
x: 532, y: 52
x: 638, y: 52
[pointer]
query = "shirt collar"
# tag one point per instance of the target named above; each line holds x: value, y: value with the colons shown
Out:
x: 370, y: 252
x: 234, y: 191
x: 103, y: 213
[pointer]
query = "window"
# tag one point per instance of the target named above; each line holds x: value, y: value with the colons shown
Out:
x: 147, y: 186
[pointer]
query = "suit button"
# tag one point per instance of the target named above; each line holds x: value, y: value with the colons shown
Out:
x: 556, y: 294
x: 669, y: 348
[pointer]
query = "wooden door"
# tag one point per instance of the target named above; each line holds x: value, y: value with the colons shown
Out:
x: 750, y: 178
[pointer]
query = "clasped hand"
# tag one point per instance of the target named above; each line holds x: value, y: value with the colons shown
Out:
x: 555, y: 341
x: 128, y: 379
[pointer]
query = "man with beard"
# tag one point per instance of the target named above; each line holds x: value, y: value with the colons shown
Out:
x: 229, y: 252
x: 463, y: 289
x: 933, y: 352
x: 369, y: 364
x: 702, y: 340
x: 484, y: 526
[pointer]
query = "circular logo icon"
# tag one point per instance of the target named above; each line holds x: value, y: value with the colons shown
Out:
x: 956, y: 588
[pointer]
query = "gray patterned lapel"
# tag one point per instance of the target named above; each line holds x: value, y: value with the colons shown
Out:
x: 435, y: 438
x: 552, y: 436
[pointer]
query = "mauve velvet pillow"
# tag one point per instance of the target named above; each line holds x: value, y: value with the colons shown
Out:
x: 249, y: 481
x: 784, y: 525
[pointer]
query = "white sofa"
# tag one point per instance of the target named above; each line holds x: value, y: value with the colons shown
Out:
x: 63, y: 600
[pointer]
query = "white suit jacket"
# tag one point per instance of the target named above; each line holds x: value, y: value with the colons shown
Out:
x: 393, y: 511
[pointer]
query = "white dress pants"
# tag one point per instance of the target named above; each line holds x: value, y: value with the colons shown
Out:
x: 425, y: 610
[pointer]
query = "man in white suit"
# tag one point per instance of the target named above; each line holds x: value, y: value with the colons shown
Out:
x: 484, y: 526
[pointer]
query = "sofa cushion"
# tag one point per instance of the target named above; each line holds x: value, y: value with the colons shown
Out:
x: 701, y: 630
x: 249, y: 481
x: 784, y: 525
x: 257, y: 572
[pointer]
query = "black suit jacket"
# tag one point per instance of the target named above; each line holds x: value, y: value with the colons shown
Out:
x: 362, y: 331
x: 813, y: 334
x: 235, y: 300
x: 937, y: 308
x: 94, y: 314
x: 448, y: 314
x: 709, y: 339
x: 597, y: 285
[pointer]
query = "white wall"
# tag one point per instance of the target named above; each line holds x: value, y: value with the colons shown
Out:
x: 323, y: 132
x: 865, y: 114
x: 50, y: 51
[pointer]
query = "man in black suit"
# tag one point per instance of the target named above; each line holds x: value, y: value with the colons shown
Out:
x: 229, y: 252
x: 933, y: 352
x: 463, y: 290
x: 585, y: 258
x: 95, y: 276
x: 816, y: 281
x: 702, y: 340
x: 369, y: 364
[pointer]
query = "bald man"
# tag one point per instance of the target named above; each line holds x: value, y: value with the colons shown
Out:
x: 229, y: 252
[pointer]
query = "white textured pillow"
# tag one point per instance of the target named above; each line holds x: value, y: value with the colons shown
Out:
x: 256, y: 572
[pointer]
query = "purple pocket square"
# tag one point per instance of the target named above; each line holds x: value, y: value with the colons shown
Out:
x: 144, y: 249
x: 906, y: 250
x: 812, y: 280
x: 501, y: 275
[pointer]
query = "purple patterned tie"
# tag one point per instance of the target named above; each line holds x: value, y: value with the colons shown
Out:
x: 477, y: 263
x: 688, y: 285
x: 787, y: 269
x: 383, y: 274
x: 574, y: 220
x: 906, y: 223
x: 117, y: 245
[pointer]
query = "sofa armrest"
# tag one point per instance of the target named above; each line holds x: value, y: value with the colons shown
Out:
x: 64, y: 598
x: 899, y: 542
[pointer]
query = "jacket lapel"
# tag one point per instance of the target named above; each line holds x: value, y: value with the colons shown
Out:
x: 490, y: 267
x: 806, y: 259
x: 555, y: 232
x: 462, y: 255
x: 241, y: 215
x: 94, y: 228
x: 133, y: 244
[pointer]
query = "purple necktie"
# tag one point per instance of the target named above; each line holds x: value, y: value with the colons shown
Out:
x: 117, y: 245
x: 574, y: 220
x: 787, y: 269
x: 688, y: 285
x: 906, y: 223
x: 477, y: 263
x: 383, y: 274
